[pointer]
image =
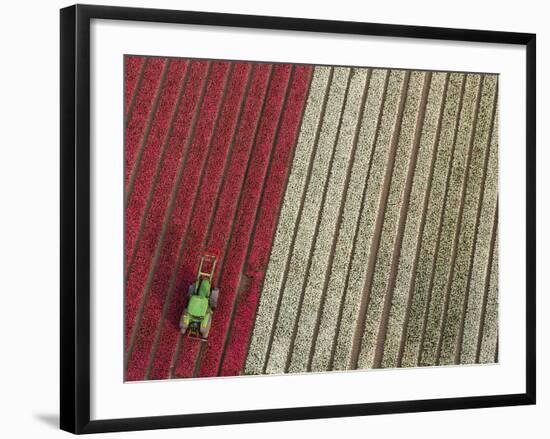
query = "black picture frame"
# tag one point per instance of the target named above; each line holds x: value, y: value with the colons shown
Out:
x: 75, y: 217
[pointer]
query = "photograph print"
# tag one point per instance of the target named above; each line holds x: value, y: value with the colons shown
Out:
x: 296, y: 218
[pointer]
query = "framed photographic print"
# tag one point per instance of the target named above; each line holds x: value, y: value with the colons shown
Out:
x: 284, y: 218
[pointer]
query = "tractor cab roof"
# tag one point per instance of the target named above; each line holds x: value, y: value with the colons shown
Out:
x: 198, y: 306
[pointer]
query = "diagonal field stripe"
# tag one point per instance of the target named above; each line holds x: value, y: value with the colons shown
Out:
x: 412, y: 337
x: 292, y: 289
x: 450, y: 222
x: 166, y: 353
x: 481, y: 265
x: 139, y: 277
x: 415, y: 212
x: 184, y: 360
x: 245, y: 214
x: 488, y: 349
x: 202, y: 142
x: 138, y: 119
x: 326, y: 229
x: 465, y: 245
x: 389, y: 233
x: 265, y: 225
x: 150, y: 167
x: 133, y: 75
x: 354, y: 293
x: 348, y: 224
x: 222, y: 146
x: 269, y: 298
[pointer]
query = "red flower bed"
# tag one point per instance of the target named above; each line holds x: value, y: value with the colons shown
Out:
x: 178, y: 222
x: 139, y: 272
x: 239, y: 332
x: 245, y: 218
x: 233, y: 155
x: 144, y: 182
x: 133, y: 65
x: 223, y: 217
x: 140, y: 113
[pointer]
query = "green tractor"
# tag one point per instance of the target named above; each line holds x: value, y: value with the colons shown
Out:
x: 203, y: 299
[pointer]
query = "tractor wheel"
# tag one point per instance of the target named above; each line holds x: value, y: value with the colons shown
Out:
x: 214, y: 298
x: 206, y: 329
x: 191, y: 290
x: 184, y: 323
